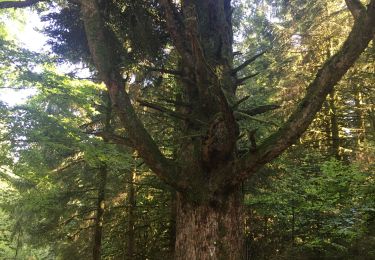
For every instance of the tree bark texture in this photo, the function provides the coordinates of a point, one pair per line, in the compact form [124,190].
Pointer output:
[208,231]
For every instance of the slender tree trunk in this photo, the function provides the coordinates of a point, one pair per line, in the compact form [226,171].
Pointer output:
[334,127]
[172,227]
[130,238]
[18,245]
[206,231]
[98,231]
[335,137]
[360,122]
[293,223]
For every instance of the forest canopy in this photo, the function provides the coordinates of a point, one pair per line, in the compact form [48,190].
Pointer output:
[214,129]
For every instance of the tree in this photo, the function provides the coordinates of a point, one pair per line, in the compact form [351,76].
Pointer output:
[65,173]
[207,170]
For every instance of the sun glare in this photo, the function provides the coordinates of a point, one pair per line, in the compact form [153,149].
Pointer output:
[28,36]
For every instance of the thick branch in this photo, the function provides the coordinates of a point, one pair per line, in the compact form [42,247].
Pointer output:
[247,62]
[162,109]
[19,4]
[331,72]
[104,50]
[355,7]
[168,111]
[175,27]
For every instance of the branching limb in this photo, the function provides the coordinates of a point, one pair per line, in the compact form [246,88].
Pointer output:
[19,4]
[162,109]
[242,80]
[168,111]
[235,105]
[247,62]
[331,72]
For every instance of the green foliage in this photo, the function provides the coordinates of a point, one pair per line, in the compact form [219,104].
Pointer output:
[309,212]
[138,25]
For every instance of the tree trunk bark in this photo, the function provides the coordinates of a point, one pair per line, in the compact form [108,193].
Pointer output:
[207,231]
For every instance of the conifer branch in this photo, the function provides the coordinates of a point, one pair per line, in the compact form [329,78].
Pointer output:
[162,109]
[242,80]
[235,105]
[168,111]
[327,77]
[247,62]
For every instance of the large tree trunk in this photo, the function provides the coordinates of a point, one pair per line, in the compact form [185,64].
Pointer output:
[209,231]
